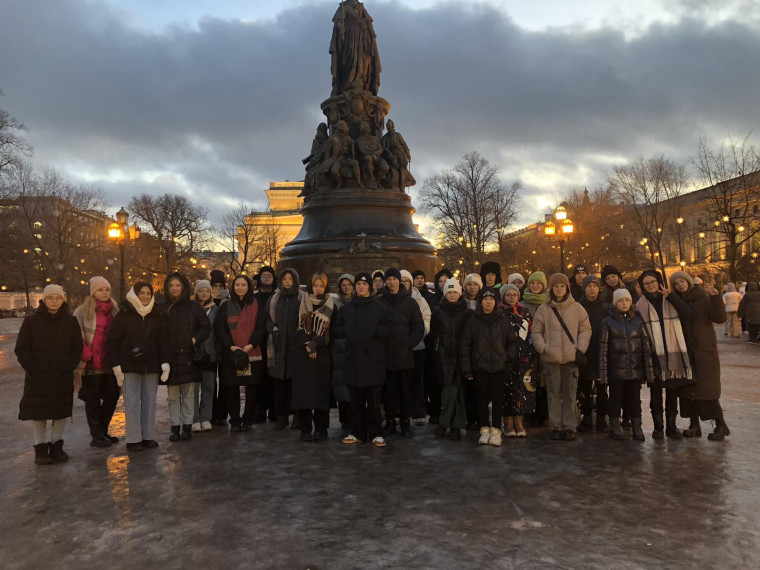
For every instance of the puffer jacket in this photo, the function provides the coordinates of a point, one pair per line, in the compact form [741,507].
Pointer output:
[597,311]
[625,351]
[130,331]
[489,343]
[426,315]
[408,329]
[550,340]
[447,327]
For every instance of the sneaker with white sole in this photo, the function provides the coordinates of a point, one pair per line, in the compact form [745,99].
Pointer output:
[420,421]
[485,435]
[378,441]
[206,426]
[349,439]
[196,427]
[510,433]
[495,438]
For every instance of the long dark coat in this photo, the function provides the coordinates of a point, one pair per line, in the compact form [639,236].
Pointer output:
[129,330]
[597,311]
[698,331]
[408,329]
[312,378]
[227,373]
[447,327]
[283,332]
[365,323]
[48,348]
[184,321]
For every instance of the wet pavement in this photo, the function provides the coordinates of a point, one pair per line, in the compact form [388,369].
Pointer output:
[266,500]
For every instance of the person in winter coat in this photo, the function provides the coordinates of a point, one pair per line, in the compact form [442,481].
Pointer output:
[378,280]
[471,288]
[576,281]
[365,323]
[672,364]
[440,280]
[311,361]
[239,329]
[220,294]
[49,347]
[490,273]
[432,382]
[205,390]
[99,390]
[588,374]
[137,353]
[519,398]
[265,409]
[418,374]
[340,392]
[447,326]
[420,283]
[701,400]
[731,299]
[408,331]
[625,362]
[749,312]
[558,352]
[535,295]
[187,326]
[613,280]
[518,281]
[282,326]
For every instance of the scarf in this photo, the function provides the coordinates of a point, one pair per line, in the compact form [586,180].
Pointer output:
[534,298]
[315,322]
[141,309]
[242,321]
[670,347]
[103,321]
[521,322]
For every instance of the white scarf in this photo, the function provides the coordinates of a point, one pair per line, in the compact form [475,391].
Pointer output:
[135,301]
[674,364]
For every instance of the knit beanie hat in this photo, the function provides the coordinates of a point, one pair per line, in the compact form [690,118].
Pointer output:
[514,276]
[406,275]
[579,267]
[345,276]
[52,290]
[217,276]
[589,279]
[364,277]
[621,293]
[378,273]
[538,276]
[96,282]
[682,275]
[474,277]
[452,285]
[489,292]
[202,283]
[608,270]
[417,273]
[507,287]
[392,272]
[265,269]
[558,278]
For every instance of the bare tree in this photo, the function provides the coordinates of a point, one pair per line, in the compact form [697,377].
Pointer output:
[650,189]
[249,237]
[471,207]
[731,177]
[13,147]
[177,230]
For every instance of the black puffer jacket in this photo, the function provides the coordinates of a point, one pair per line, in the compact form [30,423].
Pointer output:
[408,329]
[597,311]
[48,348]
[447,325]
[489,343]
[185,320]
[625,351]
[130,331]
[364,323]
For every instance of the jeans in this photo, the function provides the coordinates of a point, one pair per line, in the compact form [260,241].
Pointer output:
[180,399]
[204,397]
[561,390]
[140,406]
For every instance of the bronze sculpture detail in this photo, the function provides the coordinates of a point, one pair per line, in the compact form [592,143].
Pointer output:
[355,60]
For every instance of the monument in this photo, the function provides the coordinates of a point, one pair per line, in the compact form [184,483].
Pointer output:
[357,215]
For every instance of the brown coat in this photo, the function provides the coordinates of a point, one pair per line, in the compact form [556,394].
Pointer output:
[702,344]
[550,341]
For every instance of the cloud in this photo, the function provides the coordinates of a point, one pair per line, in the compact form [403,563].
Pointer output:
[220,109]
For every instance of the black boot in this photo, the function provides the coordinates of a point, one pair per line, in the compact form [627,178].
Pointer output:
[282,422]
[694,429]
[187,431]
[658,432]
[390,426]
[174,435]
[638,433]
[615,431]
[56,451]
[671,429]
[721,430]
[601,424]
[42,454]
[587,423]
[406,427]
[99,439]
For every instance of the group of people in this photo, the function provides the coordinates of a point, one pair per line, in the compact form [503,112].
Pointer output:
[385,349]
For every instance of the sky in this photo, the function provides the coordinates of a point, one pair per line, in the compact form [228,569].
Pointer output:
[215,99]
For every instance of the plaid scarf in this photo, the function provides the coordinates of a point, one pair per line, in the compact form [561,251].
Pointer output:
[316,322]
[675,363]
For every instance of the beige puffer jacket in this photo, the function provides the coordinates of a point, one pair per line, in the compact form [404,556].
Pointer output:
[550,341]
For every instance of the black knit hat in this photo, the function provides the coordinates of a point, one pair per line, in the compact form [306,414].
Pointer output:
[579,267]
[393,272]
[608,270]
[364,277]
[649,273]
[489,292]
[379,273]
[589,279]
[417,273]
[265,269]
[217,276]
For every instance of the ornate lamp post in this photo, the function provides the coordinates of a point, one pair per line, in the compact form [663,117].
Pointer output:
[562,229]
[118,231]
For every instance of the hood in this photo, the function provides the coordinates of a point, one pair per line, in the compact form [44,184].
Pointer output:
[438,275]
[752,286]
[296,281]
[184,295]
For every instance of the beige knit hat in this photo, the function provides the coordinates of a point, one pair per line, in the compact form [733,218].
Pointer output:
[52,290]
[473,277]
[96,282]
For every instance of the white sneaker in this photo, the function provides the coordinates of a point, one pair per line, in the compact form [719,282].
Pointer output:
[349,439]
[206,426]
[510,433]
[485,435]
[196,427]
[495,438]
[379,441]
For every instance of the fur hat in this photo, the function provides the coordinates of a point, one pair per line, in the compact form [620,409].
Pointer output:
[682,275]
[265,269]
[514,276]
[202,283]
[473,277]
[621,293]
[52,289]
[452,285]
[392,272]
[490,267]
[96,282]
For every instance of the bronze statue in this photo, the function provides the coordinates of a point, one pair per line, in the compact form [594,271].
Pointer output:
[316,156]
[397,154]
[340,157]
[374,167]
[355,60]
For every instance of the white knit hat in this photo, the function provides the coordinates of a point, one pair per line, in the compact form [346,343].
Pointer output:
[514,276]
[202,284]
[96,282]
[621,293]
[452,285]
[406,275]
[474,277]
[52,290]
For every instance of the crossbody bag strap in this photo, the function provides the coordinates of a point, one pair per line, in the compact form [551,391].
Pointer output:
[564,326]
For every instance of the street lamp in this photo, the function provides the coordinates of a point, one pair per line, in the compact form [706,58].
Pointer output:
[562,229]
[118,231]
[679,224]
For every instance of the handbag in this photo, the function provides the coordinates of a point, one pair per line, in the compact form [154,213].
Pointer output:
[580,358]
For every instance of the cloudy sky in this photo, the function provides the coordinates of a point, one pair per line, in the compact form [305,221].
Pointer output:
[215,98]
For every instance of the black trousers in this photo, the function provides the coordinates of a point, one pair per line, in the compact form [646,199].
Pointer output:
[282,392]
[364,417]
[655,400]
[100,394]
[489,388]
[586,377]
[472,403]
[626,396]
[319,418]
[432,388]
[398,397]
[418,384]
[233,405]
[754,332]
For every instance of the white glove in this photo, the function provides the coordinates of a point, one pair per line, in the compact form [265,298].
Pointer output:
[165,374]
[119,375]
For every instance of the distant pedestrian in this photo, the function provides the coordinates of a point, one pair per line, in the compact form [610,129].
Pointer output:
[731,299]
[49,348]
[749,311]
